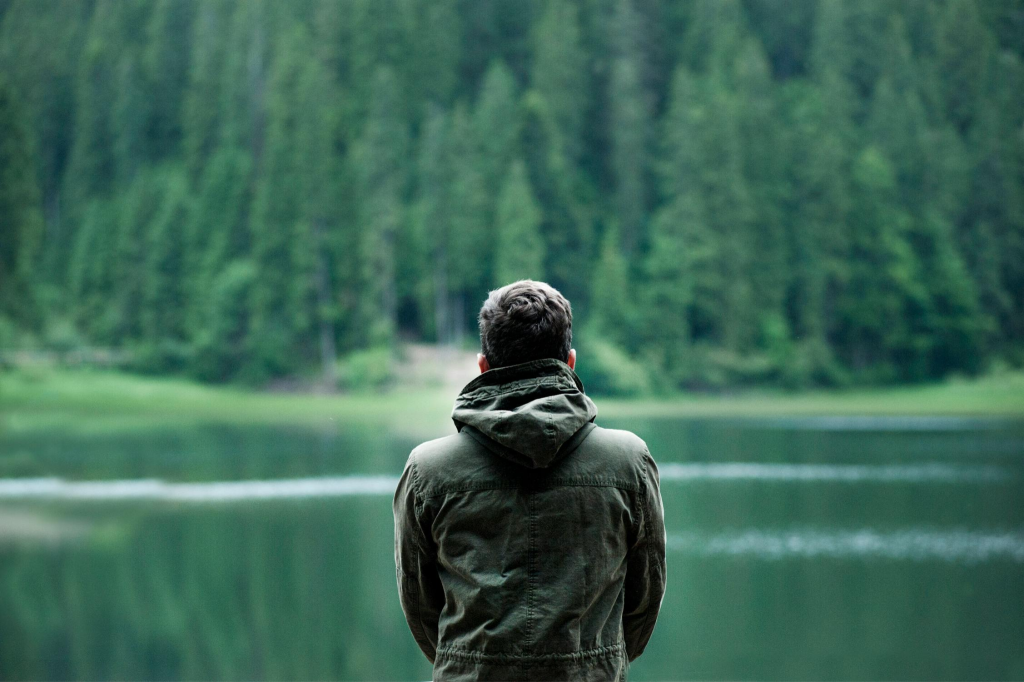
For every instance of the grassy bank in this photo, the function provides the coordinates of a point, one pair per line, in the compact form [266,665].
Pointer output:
[44,398]
[102,400]
[1000,395]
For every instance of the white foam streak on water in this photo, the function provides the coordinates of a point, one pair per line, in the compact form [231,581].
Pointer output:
[216,491]
[343,486]
[881,423]
[916,544]
[848,473]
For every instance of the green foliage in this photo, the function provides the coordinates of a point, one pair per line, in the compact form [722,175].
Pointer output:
[815,192]
[963,52]
[607,369]
[21,222]
[560,75]
[369,369]
[164,293]
[379,162]
[216,230]
[519,251]
[496,127]
[222,351]
[630,146]
[610,312]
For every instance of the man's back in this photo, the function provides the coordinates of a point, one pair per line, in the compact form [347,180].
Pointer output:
[531,544]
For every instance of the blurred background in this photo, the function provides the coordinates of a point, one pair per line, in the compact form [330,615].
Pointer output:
[243,245]
[732,192]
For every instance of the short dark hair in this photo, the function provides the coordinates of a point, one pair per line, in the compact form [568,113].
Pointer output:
[524,321]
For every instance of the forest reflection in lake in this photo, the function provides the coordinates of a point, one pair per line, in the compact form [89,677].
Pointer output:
[799,549]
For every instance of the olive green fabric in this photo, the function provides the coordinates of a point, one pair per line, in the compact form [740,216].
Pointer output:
[531,544]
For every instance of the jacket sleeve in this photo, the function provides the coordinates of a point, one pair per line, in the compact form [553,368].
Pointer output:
[645,565]
[419,587]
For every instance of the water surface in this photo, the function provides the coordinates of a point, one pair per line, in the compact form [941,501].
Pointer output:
[810,548]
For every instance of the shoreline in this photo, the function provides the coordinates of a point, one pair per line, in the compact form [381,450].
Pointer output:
[101,399]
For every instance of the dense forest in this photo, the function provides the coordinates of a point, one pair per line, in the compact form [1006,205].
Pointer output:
[810,192]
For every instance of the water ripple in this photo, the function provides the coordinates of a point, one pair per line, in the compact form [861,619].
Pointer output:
[915,544]
[215,491]
[928,472]
[344,486]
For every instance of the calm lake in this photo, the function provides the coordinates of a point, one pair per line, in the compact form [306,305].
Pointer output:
[804,548]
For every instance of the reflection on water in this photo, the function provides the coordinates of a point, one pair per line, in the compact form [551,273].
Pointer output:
[215,491]
[342,486]
[879,423]
[916,544]
[799,549]
[853,473]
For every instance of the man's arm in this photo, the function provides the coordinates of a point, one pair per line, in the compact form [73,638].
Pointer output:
[645,567]
[419,587]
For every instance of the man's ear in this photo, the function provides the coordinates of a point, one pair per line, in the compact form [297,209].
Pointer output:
[571,360]
[481,360]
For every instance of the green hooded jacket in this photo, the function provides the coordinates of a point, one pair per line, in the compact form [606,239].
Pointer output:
[531,544]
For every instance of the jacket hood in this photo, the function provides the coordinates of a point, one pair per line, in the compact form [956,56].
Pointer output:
[530,410]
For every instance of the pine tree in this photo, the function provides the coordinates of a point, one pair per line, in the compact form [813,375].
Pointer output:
[897,121]
[833,59]
[560,75]
[682,292]
[379,162]
[630,124]
[964,52]
[762,148]
[630,107]
[519,250]
[823,133]
[131,109]
[714,36]
[883,298]
[704,165]
[91,163]
[315,243]
[434,215]
[93,274]
[166,63]
[849,49]
[217,230]
[496,126]
[244,80]
[470,227]
[610,308]
[40,49]
[438,39]
[221,349]
[21,225]
[954,330]
[784,31]
[379,36]
[136,211]
[163,298]
[200,104]
[561,193]
[276,205]
[993,210]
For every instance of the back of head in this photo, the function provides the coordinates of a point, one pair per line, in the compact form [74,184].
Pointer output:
[525,321]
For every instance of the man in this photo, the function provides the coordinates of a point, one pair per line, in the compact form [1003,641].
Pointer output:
[531,544]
